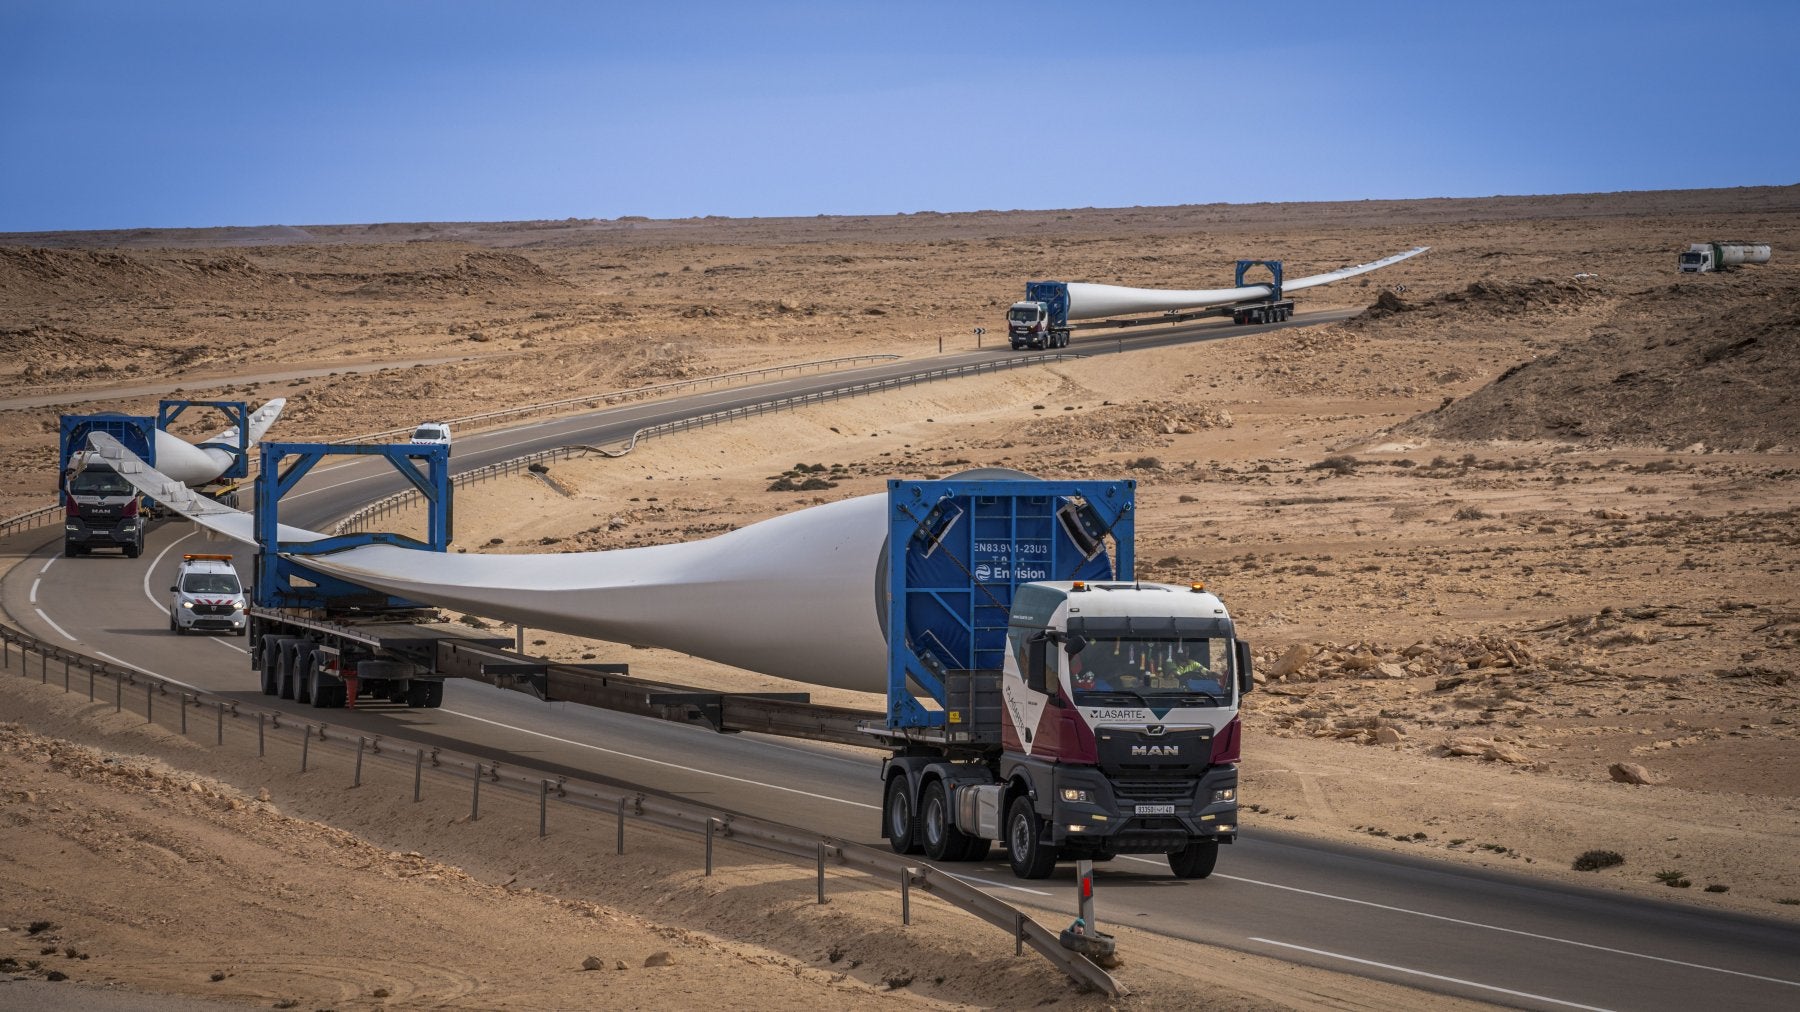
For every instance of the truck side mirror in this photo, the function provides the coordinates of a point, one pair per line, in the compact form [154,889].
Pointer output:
[1245,667]
[1037,663]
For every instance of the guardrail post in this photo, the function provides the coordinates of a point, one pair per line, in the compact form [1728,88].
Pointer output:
[119,692]
[220,738]
[90,668]
[709,843]
[360,742]
[821,874]
[260,717]
[622,801]
[475,796]
[184,699]
[65,672]
[1084,886]
[149,701]
[44,665]
[1019,933]
[418,774]
[906,875]
[305,744]
[543,808]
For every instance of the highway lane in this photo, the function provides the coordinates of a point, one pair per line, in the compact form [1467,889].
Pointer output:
[1476,934]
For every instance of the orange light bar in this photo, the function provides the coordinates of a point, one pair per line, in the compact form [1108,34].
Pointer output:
[209,558]
[1078,585]
[1198,586]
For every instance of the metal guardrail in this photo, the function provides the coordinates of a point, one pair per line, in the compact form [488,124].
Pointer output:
[407,497]
[317,738]
[42,516]
[634,393]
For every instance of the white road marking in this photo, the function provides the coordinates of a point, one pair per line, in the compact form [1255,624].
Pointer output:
[997,885]
[659,762]
[34,587]
[147,671]
[53,625]
[47,565]
[1493,927]
[1433,976]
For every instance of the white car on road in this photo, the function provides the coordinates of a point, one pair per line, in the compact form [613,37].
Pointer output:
[207,596]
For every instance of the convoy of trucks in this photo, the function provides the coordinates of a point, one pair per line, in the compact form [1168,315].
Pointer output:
[1037,695]
[1707,257]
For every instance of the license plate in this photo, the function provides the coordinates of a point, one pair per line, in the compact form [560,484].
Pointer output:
[1155,810]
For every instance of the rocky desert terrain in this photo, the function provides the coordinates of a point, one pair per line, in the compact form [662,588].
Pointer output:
[1517,542]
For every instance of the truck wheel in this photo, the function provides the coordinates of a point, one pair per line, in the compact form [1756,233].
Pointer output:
[943,842]
[317,692]
[902,821]
[1030,856]
[70,550]
[1195,860]
[284,668]
[298,663]
[271,666]
[434,694]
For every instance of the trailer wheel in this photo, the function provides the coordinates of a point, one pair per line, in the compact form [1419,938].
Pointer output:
[1196,860]
[1030,856]
[421,694]
[286,678]
[298,669]
[902,821]
[271,665]
[943,842]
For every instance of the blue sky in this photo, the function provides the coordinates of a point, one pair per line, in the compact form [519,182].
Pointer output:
[239,112]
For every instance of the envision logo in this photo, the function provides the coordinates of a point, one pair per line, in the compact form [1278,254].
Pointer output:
[1156,750]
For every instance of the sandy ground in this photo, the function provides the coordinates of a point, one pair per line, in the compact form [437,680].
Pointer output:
[1531,516]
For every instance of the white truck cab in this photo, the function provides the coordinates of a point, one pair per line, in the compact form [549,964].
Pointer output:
[207,596]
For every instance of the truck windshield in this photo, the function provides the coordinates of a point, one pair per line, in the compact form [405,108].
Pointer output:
[210,583]
[1023,314]
[1111,671]
[91,482]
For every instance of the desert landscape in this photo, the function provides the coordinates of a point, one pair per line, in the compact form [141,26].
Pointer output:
[1516,543]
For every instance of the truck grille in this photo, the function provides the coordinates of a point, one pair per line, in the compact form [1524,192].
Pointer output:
[1153,788]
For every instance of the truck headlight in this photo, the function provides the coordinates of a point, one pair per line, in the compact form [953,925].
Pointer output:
[1075,794]
[1228,794]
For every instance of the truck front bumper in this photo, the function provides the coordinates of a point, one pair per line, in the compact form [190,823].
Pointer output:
[103,533]
[1090,813]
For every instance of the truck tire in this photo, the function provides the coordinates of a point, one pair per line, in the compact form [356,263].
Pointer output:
[303,663]
[943,842]
[285,675]
[325,691]
[70,550]
[902,819]
[1195,860]
[1030,856]
[271,665]
[133,551]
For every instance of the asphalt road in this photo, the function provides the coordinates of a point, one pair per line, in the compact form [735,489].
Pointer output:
[1450,930]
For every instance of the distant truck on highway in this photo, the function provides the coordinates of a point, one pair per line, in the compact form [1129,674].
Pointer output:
[1042,319]
[101,508]
[1051,310]
[1707,257]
